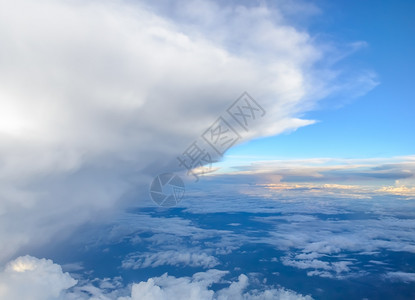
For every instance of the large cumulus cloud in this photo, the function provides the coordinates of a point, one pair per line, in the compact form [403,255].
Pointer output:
[98,97]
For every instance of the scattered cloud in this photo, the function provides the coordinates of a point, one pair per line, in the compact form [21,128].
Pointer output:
[401,276]
[320,268]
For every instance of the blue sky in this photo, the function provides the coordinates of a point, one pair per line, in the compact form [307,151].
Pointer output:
[380,123]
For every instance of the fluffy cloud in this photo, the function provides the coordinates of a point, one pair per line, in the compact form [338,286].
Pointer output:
[168,287]
[325,231]
[30,278]
[40,279]
[196,288]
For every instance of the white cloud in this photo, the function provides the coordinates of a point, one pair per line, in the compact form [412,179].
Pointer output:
[172,258]
[321,268]
[400,276]
[98,97]
[307,264]
[40,279]
[169,287]
[30,278]
[237,290]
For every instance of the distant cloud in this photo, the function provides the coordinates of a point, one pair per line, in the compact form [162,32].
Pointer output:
[401,276]
[348,177]
[172,258]
[399,190]
[321,268]
[322,234]
[308,242]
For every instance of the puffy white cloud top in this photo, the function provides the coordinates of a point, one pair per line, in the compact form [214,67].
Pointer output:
[30,278]
[39,279]
[195,288]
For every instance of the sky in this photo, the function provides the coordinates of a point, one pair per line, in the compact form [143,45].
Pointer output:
[316,194]
[377,124]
